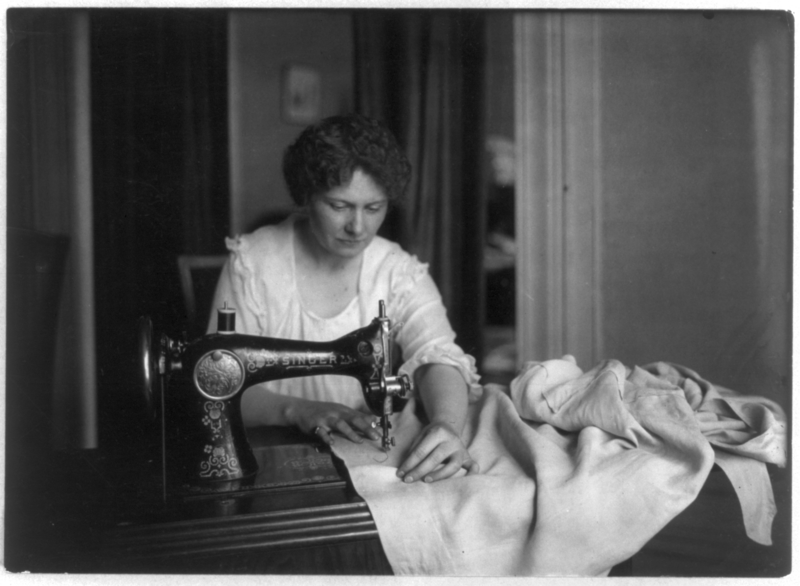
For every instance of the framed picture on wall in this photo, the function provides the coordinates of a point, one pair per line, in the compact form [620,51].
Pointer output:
[301,100]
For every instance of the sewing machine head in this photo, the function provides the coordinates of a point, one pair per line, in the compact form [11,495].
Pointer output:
[197,387]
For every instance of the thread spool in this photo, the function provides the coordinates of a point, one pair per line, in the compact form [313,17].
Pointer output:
[226,319]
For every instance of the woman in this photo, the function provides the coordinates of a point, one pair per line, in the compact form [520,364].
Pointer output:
[321,273]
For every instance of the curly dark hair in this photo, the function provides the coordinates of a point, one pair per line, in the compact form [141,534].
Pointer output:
[326,154]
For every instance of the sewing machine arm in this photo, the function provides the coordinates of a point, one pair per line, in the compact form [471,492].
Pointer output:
[199,384]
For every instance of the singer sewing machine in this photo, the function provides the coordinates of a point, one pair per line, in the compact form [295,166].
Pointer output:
[196,388]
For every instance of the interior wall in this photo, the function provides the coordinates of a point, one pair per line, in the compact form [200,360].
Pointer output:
[696,191]
[654,191]
[261,42]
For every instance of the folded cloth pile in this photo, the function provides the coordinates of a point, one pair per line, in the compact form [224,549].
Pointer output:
[747,432]
[578,470]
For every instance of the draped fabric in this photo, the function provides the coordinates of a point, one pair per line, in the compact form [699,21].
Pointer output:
[159,104]
[421,72]
[578,471]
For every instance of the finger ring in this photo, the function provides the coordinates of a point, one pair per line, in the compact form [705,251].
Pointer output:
[374,424]
[316,430]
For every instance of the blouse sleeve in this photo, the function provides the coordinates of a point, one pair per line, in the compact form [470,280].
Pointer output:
[425,335]
[234,287]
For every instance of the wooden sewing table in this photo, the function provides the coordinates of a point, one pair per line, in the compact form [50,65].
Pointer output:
[299,516]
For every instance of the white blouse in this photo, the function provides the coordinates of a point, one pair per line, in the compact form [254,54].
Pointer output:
[259,281]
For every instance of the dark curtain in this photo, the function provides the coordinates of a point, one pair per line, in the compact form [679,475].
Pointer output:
[160,160]
[422,73]
[38,111]
[48,187]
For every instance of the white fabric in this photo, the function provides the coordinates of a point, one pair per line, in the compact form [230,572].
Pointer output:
[750,480]
[547,501]
[579,471]
[747,432]
[259,282]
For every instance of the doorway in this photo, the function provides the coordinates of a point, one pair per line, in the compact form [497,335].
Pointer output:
[499,360]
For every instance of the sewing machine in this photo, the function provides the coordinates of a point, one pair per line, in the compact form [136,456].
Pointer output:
[196,388]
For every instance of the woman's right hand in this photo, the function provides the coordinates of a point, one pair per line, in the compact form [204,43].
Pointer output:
[324,419]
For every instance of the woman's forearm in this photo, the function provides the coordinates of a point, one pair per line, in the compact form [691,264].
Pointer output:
[325,419]
[439,451]
[444,394]
[263,407]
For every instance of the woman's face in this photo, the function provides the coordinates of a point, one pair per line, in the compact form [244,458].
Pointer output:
[345,219]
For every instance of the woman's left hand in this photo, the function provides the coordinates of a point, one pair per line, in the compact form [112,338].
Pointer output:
[437,453]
